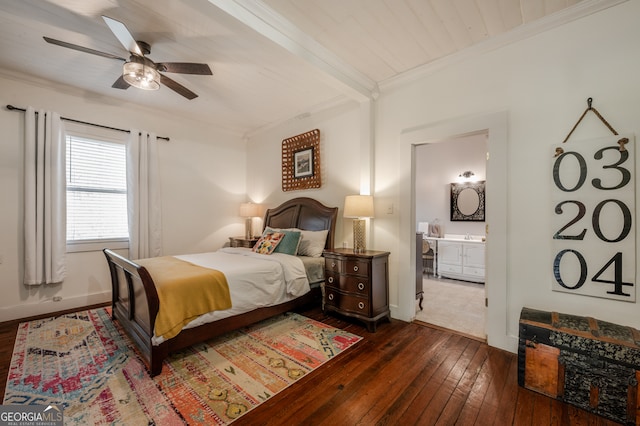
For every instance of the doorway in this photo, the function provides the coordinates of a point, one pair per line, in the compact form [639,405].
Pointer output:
[451,299]
[496,125]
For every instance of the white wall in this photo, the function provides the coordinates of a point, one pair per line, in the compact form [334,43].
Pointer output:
[437,166]
[542,83]
[340,156]
[203,181]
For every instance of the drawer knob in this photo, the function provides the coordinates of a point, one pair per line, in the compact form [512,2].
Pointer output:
[330,296]
[355,268]
[330,280]
[360,305]
[360,286]
[333,264]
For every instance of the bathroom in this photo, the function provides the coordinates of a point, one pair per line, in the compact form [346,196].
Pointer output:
[450,199]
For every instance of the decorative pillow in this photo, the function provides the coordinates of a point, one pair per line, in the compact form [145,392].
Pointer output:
[268,243]
[312,243]
[289,244]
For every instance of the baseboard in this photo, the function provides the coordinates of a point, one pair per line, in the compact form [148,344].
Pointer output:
[29,310]
[396,313]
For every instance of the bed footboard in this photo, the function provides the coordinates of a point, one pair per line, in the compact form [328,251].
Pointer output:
[135,305]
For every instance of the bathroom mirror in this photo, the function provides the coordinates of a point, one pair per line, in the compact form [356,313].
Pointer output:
[467,201]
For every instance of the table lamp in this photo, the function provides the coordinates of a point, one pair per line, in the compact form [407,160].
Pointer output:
[249,211]
[358,207]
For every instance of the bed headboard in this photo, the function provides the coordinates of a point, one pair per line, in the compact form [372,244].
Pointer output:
[304,213]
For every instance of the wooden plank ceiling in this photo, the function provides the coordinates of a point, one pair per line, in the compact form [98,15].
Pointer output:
[272,59]
[384,38]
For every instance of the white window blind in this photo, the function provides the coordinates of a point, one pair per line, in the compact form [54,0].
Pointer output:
[96,190]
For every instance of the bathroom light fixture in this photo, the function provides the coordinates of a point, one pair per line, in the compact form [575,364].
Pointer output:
[467,175]
[358,207]
[141,75]
[249,211]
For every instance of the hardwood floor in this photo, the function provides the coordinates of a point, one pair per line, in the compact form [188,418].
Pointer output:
[402,374]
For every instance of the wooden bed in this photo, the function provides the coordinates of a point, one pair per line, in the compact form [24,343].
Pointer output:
[135,300]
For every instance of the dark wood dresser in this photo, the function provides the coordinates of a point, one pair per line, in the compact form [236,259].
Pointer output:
[357,284]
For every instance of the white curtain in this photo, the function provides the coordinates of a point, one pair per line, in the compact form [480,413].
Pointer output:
[45,216]
[143,196]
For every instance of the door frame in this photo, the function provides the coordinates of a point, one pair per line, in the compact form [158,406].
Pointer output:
[495,124]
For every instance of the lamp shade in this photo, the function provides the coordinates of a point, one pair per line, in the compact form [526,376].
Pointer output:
[357,206]
[250,210]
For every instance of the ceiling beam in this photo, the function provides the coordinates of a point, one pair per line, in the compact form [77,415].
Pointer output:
[263,19]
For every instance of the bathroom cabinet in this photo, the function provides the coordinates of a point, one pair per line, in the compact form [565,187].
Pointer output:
[462,260]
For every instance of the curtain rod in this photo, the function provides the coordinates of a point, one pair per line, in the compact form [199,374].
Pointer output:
[12,108]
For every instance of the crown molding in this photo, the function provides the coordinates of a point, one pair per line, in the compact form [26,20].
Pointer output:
[66,89]
[580,10]
[330,105]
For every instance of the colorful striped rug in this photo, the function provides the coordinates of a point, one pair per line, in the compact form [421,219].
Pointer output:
[84,362]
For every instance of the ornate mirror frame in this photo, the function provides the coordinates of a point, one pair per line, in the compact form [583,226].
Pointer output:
[461,210]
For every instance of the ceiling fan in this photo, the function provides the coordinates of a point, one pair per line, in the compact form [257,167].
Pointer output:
[140,71]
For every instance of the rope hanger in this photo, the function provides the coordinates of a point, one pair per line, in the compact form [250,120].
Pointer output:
[621,141]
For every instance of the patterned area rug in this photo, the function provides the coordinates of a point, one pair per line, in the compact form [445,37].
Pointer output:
[84,362]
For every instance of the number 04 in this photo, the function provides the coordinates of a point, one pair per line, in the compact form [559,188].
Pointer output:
[616,261]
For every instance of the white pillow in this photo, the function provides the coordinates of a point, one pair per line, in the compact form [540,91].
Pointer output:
[312,243]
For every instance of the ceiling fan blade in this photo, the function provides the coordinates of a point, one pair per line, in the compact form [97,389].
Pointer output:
[82,49]
[177,87]
[184,68]
[120,84]
[123,35]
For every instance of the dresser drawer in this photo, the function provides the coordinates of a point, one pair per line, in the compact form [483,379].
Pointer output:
[347,302]
[347,266]
[348,283]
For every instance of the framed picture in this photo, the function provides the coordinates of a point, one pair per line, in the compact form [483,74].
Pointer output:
[303,163]
[301,167]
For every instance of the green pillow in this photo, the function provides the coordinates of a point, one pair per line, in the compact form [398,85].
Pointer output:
[290,242]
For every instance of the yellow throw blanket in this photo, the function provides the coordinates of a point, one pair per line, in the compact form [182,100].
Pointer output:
[186,291]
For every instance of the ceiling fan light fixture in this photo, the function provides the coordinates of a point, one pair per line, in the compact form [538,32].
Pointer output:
[140,75]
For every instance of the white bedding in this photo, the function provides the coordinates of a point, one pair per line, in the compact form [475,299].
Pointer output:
[255,280]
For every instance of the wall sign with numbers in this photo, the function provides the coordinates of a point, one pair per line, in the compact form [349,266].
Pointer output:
[593,218]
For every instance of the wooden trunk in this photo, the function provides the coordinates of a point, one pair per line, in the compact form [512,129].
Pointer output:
[592,364]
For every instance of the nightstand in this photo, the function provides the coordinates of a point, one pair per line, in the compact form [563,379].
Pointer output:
[243,241]
[357,284]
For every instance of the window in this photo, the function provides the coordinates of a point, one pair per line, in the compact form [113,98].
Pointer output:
[96,191]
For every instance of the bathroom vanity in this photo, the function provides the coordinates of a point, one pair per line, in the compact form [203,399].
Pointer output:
[461,257]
